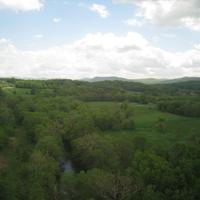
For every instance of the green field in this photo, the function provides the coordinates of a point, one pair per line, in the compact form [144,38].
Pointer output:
[178,128]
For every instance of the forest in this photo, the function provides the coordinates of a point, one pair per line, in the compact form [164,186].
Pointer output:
[109,140]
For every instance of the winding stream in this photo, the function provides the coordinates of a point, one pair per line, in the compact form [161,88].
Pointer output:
[66,163]
[67,166]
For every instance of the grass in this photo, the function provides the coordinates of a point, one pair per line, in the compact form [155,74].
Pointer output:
[16,91]
[177,128]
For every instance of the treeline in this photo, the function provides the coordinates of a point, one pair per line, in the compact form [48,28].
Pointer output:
[119,90]
[178,98]
[181,107]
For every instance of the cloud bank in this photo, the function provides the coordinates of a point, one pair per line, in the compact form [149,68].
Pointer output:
[169,13]
[129,55]
[21,5]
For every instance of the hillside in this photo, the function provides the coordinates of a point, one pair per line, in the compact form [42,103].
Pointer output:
[145,80]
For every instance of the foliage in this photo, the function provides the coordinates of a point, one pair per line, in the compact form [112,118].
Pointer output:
[120,137]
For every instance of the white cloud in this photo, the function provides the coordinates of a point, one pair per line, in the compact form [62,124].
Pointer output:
[129,55]
[57,19]
[184,13]
[134,22]
[3,41]
[100,9]
[38,36]
[197,46]
[21,5]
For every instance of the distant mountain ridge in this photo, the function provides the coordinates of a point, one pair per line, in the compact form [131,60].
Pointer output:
[145,80]
[107,78]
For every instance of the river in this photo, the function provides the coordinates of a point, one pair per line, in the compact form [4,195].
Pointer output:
[67,166]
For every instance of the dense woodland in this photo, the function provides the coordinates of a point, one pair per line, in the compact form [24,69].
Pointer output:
[110,140]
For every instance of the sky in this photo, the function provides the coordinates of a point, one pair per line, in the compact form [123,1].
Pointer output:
[76,39]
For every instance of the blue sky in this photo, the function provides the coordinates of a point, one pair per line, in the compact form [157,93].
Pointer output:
[40,29]
[76,21]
